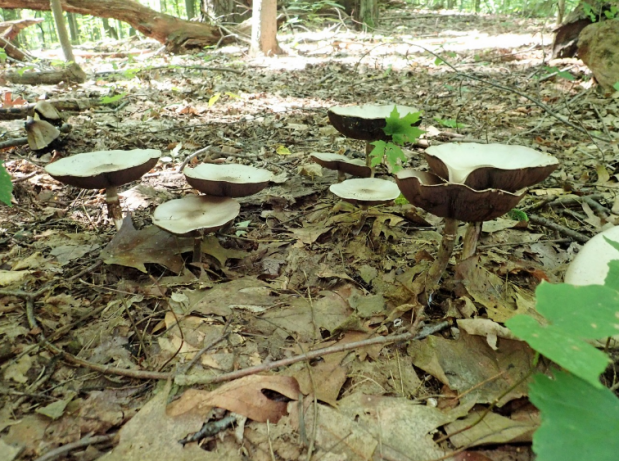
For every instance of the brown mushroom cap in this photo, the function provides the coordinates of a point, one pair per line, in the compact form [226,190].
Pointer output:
[496,166]
[47,111]
[366,191]
[230,180]
[355,167]
[192,213]
[364,122]
[103,169]
[454,200]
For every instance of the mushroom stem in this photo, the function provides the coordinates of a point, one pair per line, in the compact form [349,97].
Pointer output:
[114,206]
[341,176]
[470,240]
[369,148]
[443,257]
[197,255]
[362,221]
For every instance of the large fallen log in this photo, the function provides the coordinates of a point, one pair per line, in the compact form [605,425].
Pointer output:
[8,33]
[176,34]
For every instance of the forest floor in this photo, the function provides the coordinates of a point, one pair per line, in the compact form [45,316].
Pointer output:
[93,323]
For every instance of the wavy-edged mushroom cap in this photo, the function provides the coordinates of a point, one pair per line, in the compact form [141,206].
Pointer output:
[355,167]
[365,122]
[40,133]
[47,111]
[192,213]
[103,169]
[366,191]
[454,200]
[230,180]
[496,166]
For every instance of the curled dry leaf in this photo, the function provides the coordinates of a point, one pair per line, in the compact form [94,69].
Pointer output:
[243,396]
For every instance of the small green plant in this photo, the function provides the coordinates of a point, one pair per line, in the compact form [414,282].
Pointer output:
[612,13]
[6,186]
[561,74]
[112,99]
[3,55]
[579,416]
[402,131]
[518,215]
[450,123]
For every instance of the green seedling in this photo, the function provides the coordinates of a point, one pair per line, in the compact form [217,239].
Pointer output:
[6,186]
[112,99]
[3,55]
[450,123]
[518,215]
[562,74]
[402,131]
[242,228]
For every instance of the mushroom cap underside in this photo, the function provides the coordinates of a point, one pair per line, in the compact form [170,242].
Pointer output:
[355,167]
[365,122]
[229,180]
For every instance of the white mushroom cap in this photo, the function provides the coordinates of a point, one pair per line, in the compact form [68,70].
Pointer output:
[482,166]
[356,167]
[590,266]
[366,191]
[191,213]
[102,169]
[372,111]
[230,180]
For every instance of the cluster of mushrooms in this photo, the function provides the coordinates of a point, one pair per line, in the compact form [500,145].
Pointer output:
[190,215]
[467,182]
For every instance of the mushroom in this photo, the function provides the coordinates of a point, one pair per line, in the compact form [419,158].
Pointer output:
[196,215]
[342,164]
[230,180]
[365,192]
[591,264]
[365,122]
[41,133]
[46,111]
[471,183]
[105,170]
[488,166]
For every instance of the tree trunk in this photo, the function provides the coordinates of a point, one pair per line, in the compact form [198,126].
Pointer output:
[61,30]
[190,8]
[264,28]
[178,35]
[74,29]
[225,11]
[109,30]
[365,13]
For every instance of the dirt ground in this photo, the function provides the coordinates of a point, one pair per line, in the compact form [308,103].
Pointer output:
[99,328]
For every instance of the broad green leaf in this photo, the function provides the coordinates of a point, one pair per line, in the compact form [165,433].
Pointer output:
[6,186]
[617,86]
[579,422]
[580,311]
[283,150]
[611,281]
[392,155]
[111,99]
[232,95]
[401,129]
[376,155]
[573,354]
[519,215]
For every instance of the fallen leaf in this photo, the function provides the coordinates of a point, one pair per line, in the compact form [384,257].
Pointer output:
[211,246]
[493,429]
[486,328]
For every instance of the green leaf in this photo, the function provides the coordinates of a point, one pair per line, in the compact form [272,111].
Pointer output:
[400,128]
[392,155]
[586,312]
[519,215]
[214,99]
[579,422]
[376,155]
[573,354]
[617,86]
[112,99]
[450,123]
[6,186]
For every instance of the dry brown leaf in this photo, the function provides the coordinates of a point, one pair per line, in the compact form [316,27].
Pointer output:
[243,396]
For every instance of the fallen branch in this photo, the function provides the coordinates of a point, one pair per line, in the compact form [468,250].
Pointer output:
[577,236]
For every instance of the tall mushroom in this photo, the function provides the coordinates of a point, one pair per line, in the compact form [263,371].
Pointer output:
[365,122]
[196,215]
[471,183]
[105,170]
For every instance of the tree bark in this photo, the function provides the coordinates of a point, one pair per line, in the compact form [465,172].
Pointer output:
[264,28]
[178,35]
[366,13]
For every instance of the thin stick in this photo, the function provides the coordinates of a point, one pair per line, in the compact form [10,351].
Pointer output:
[581,238]
[86,441]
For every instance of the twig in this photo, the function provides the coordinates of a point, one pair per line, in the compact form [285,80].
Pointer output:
[191,156]
[23,178]
[425,332]
[208,347]
[577,236]
[86,441]
[541,105]
[13,142]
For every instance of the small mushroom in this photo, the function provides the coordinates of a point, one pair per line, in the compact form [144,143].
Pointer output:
[364,122]
[41,134]
[342,164]
[105,170]
[230,180]
[196,215]
[366,191]
[46,111]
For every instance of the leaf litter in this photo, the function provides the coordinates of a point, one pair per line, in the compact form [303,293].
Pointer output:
[295,277]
